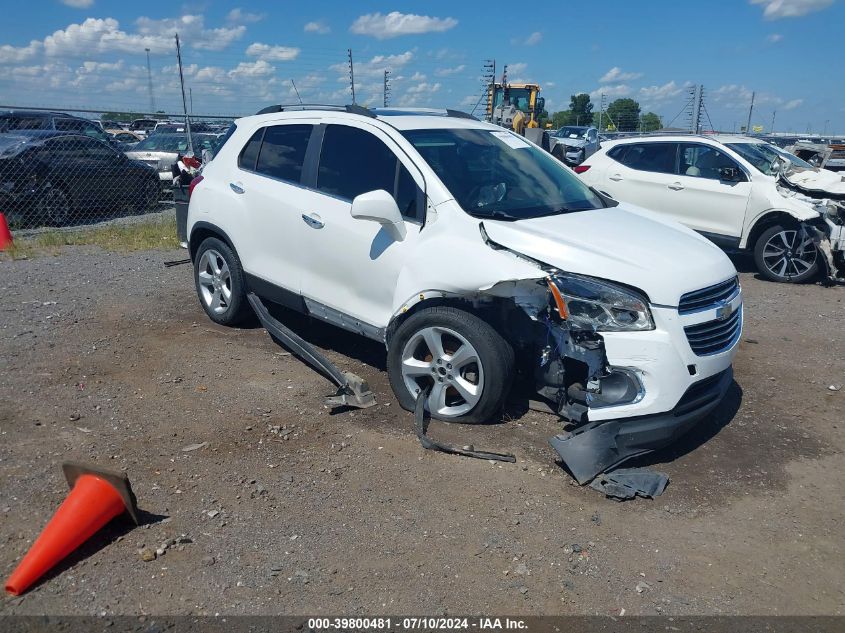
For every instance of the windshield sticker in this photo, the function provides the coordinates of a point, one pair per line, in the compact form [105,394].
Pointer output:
[512,140]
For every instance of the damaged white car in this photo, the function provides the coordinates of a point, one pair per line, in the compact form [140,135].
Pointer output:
[743,194]
[477,259]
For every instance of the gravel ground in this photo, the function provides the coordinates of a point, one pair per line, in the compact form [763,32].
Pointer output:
[286,508]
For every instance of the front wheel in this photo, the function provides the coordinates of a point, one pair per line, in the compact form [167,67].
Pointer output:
[468,365]
[786,255]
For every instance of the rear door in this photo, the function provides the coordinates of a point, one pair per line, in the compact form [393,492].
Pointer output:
[643,174]
[268,181]
[704,200]
[351,266]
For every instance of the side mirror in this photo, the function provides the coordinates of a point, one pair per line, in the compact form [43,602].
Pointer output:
[730,174]
[379,206]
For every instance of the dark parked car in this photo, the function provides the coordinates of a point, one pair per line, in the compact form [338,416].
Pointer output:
[53,178]
[21,120]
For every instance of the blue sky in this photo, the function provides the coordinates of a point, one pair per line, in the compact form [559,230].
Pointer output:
[240,56]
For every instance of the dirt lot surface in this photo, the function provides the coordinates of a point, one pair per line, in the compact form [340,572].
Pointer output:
[108,358]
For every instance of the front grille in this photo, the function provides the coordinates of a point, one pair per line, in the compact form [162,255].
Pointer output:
[716,336]
[707,297]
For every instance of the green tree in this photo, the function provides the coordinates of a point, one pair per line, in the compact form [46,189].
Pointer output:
[559,119]
[650,122]
[581,109]
[625,114]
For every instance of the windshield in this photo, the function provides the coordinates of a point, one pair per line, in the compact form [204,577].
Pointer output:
[765,158]
[520,98]
[571,132]
[496,174]
[175,143]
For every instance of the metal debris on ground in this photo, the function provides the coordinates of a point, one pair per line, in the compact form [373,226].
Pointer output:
[628,483]
[353,391]
[421,428]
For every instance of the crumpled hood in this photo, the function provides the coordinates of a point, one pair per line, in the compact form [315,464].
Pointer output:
[571,142]
[821,181]
[623,244]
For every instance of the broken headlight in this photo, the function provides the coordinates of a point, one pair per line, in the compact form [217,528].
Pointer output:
[595,305]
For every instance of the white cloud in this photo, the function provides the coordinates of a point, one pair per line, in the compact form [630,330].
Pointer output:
[258,68]
[96,35]
[78,4]
[517,68]
[318,27]
[424,87]
[535,38]
[774,38]
[619,90]
[777,9]
[615,74]
[791,105]
[374,66]
[395,24]
[445,72]
[661,93]
[239,16]
[272,53]
[418,76]
[14,54]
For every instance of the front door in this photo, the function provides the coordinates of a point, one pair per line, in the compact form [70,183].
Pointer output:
[352,265]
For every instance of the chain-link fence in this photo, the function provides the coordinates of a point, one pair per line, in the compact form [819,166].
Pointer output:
[58,169]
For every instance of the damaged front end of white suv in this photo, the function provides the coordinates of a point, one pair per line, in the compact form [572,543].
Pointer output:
[824,192]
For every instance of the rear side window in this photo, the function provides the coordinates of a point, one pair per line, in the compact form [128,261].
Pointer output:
[655,157]
[353,162]
[249,154]
[283,151]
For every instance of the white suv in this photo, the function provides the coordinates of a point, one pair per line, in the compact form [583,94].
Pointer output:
[740,192]
[475,257]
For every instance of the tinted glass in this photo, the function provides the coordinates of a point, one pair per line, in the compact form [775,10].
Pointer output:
[703,161]
[496,174]
[283,151]
[68,125]
[23,123]
[249,154]
[99,151]
[406,194]
[658,157]
[353,162]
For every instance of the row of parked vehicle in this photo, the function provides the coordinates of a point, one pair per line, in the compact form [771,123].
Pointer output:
[57,169]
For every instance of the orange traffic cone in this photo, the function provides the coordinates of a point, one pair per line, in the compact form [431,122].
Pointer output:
[5,234]
[96,497]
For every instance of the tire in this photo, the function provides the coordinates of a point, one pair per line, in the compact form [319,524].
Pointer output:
[557,152]
[53,206]
[218,273]
[780,257]
[474,390]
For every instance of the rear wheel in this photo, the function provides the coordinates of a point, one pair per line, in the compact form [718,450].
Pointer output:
[220,282]
[786,254]
[468,365]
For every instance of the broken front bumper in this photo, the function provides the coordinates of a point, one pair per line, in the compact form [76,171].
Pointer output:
[599,446]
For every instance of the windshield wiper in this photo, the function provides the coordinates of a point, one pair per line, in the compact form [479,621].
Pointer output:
[498,215]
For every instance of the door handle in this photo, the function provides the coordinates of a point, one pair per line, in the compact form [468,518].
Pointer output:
[236,187]
[675,186]
[615,177]
[313,221]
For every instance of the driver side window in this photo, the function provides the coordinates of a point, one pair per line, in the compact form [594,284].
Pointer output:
[353,162]
[703,161]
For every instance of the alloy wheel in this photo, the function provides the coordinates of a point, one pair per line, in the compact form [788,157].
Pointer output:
[215,281]
[789,253]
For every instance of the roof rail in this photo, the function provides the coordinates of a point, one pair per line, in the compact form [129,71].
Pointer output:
[457,114]
[293,107]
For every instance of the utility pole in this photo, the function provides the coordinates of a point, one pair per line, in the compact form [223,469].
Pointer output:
[772,127]
[351,75]
[191,99]
[190,149]
[296,91]
[386,87]
[150,83]
[750,110]
[488,78]
[696,110]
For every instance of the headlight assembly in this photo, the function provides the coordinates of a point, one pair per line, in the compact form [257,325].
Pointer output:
[594,305]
